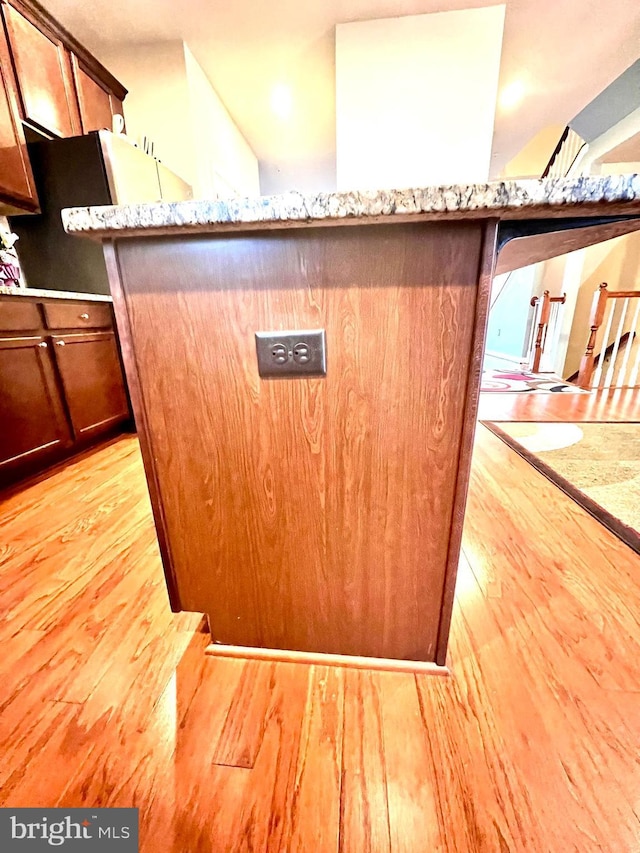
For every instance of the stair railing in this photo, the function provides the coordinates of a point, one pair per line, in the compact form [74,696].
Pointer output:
[566,154]
[619,348]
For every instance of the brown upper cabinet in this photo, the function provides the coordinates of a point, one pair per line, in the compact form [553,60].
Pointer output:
[17,188]
[50,82]
[43,70]
[97,104]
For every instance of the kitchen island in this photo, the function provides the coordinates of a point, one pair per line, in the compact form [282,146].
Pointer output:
[312,504]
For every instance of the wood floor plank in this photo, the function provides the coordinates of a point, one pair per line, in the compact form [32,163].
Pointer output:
[313,820]
[41,754]
[269,794]
[364,815]
[482,804]
[248,809]
[243,728]
[410,775]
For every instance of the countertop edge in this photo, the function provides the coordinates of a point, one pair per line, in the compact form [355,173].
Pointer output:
[508,200]
[37,293]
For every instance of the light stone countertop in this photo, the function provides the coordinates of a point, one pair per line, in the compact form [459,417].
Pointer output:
[523,199]
[53,294]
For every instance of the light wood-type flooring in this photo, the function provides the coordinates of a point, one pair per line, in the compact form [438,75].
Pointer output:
[532,744]
[617,405]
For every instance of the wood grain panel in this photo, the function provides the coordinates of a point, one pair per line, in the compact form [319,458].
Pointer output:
[142,421]
[471,401]
[310,514]
[117,107]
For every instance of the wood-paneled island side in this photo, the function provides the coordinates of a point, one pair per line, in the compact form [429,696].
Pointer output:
[314,515]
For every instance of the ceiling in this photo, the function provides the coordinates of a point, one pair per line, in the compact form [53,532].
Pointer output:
[559,53]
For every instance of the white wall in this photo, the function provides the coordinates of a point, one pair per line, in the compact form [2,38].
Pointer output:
[415,98]
[157,105]
[225,162]
[600,147]
[172,101]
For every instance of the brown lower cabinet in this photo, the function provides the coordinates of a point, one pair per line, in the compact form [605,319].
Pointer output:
[31,408]
[89,367]
[59,393]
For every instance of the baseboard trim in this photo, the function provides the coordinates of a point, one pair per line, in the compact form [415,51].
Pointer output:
[351,661]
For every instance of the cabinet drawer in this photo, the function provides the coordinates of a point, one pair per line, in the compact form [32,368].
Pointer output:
[18,316]
[77,315]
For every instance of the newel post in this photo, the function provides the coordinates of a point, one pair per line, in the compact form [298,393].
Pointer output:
[598,307]
[541,334]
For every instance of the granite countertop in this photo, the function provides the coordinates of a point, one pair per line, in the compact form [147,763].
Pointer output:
[551,197]
[53,294]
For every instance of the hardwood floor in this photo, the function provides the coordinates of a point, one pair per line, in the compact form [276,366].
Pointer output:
[108,699]
[615,405]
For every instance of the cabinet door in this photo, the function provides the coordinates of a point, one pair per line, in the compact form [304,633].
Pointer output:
[95,100]
[17,188]
[92,378]
[43,69]
[32,419]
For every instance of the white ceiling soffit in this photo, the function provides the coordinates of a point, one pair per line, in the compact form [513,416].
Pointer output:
[557,56]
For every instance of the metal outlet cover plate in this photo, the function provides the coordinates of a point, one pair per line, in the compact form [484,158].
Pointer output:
[289,354]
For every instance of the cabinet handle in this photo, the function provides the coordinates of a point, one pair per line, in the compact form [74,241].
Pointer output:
[59,343]
[84,316]
[43,344]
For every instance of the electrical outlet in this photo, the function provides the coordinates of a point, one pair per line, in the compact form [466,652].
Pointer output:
[291,353]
